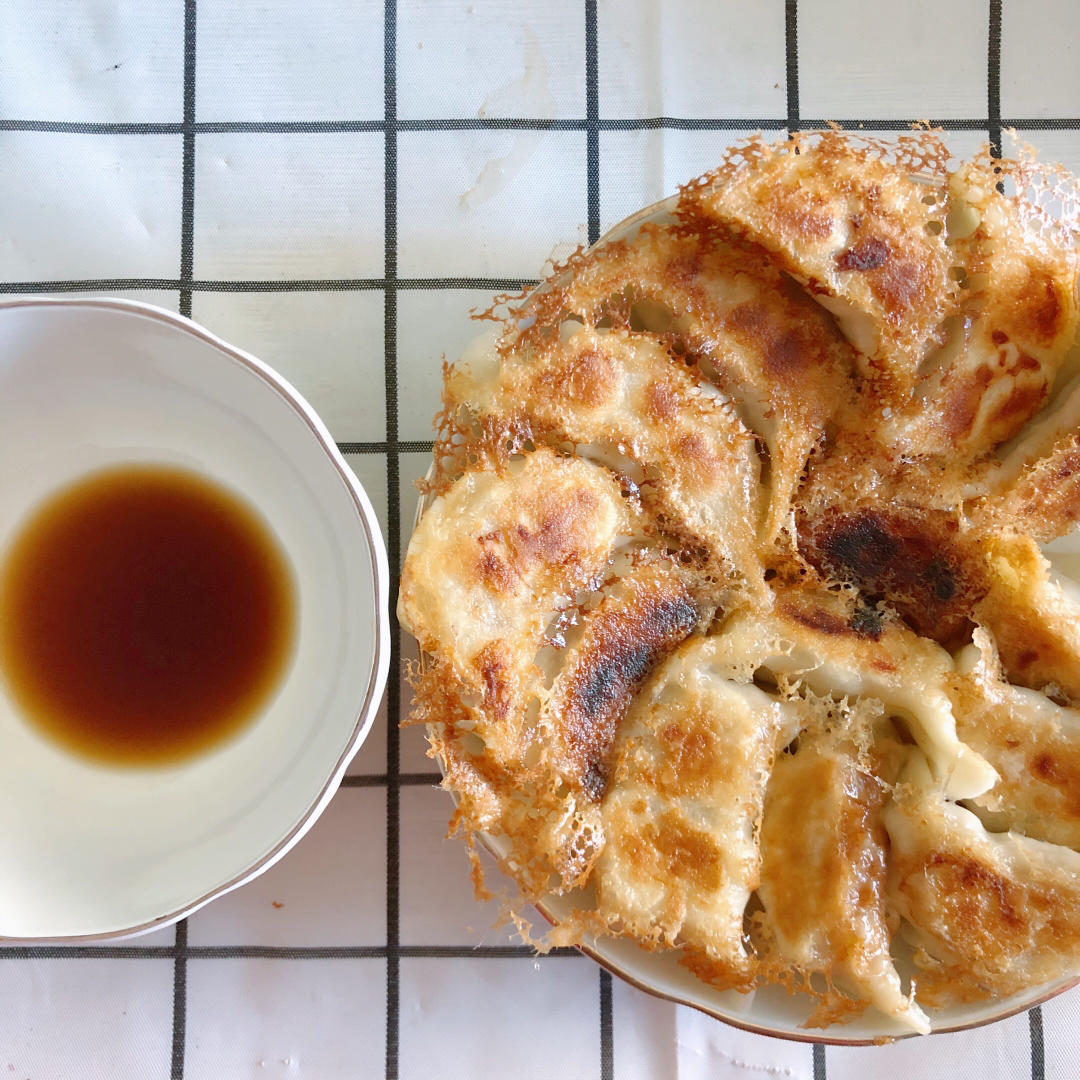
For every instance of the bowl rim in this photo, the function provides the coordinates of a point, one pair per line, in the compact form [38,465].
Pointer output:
[380,575]
[619,231]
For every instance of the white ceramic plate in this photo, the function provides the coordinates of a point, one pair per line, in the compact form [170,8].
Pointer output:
[771,1010]
[88,851]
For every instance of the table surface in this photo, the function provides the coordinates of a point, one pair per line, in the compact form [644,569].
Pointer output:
[333,185]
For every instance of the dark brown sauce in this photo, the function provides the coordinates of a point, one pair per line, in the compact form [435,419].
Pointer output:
[146,615]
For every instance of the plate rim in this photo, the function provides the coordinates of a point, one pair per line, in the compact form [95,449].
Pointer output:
[616,232]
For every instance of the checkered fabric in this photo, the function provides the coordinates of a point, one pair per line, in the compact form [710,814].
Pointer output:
[333,185]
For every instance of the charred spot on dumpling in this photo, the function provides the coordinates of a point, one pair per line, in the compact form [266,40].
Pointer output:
[493,570]
[817,619]
[594,781]
[624,638]
[914,565]
[868,622]
[788,348]
[868,254]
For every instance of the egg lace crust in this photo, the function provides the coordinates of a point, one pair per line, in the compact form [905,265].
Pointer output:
[737,630]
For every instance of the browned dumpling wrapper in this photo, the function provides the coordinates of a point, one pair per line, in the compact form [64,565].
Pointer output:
[736,630]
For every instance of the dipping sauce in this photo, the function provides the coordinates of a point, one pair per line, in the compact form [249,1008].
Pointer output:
[146,615]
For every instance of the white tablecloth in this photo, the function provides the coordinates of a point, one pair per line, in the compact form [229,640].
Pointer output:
[332,185]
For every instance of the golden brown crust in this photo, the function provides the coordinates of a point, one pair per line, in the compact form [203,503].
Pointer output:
[823,851]
[998,912]
[711,509]
[1032,743]
[680,859]
[728,316]
[849,225]
[1034,621]
[622,398]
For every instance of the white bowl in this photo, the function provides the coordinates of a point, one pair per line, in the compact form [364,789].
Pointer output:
[771,1010]
[88,851]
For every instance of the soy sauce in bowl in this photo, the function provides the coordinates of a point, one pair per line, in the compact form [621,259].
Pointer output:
[146,616]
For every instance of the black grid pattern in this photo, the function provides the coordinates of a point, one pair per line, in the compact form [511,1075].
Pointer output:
[393,546]
[587,124]
[393,779]
[187,263]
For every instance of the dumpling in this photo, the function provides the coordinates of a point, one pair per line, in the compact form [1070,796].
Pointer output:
[619,396]
[732,319]
[680,819]
[1032,743]
[835,646]
[1035,488]
[1017,320]
[854,229]
[492,560]
[637,622]
[823,862]
[1034,617]
[998,912]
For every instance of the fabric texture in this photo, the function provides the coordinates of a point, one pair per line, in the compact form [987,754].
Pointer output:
[334,185]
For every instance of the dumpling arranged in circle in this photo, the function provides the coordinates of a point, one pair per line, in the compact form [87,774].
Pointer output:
[737,630]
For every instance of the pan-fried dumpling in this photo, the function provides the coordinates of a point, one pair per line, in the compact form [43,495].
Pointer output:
[621,397]
[853,228]
[1034,617]
[833,646]
[731,561]
[493,559]
[1035,489]
[1032,743]
[996,911]
[823,863]
[735,321]
[681,816]
[639,621]
[1016,323]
